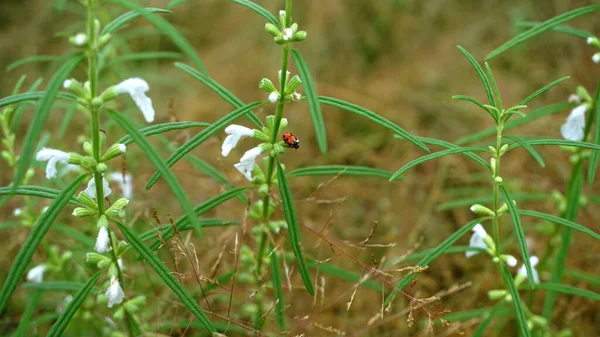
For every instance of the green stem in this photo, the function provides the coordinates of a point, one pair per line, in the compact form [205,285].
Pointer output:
[495,189]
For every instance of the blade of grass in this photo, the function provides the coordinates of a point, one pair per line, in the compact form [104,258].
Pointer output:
[481,73]
[581,276]
[166,28]
[219,90]
[167,277]
[258,9]
[541,28]
[38,232]
[435,253]
[278,289]
[476,102]
[63,320]
[293,227]
[202,136]
[32,96]
[528,148]
[122,20]
[435,155]
[329,170]
[40,116]
[363,112]
[162,128]
[313,101]
[158,163]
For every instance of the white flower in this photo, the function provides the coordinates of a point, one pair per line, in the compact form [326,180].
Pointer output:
[52,156]
[235,132]
[114,293]
[246,164]
[296,96]
[80,39]
[477,240]
[511,261]
[590,40]
[122,147]
[136,88]
[36,274]
[102,241]
[287,34]
[281,12]
[274,97]
[596,58]
[120,263]
[533,260]
[91,188]
[17,212]
[67,84]
[574,99]
[573,127]
[125,182]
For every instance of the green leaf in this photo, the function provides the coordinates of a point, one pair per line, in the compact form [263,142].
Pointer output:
[532,116]
[39,118]
[423,253]
[313,101]
[202,136]
[559,29]
[166,28]
[162,128]
[158,163]
[37,191]
[347,170]
[219,90]
[519,233]
[57,286]
[261,11]
[63,320]
[278,290]
[166,276]
[448,145]
[33,59]
[559,142]
[175,3]
[527,147]
[122,20]
[581,276]
[494,86]
[184,222]
[481,73]
[435,155]
[516,299]
[542,90]
[152,55]
[593,165]
[338,103]
[541,28]
[293,228]
[435,253]
[476,102]
[569,290]
[561,221]
[32,96]
[488,199]
[38,232]
[166,231]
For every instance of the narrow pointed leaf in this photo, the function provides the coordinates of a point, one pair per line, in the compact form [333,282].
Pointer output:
[541,28]
[40,116]
[32,96]
[435,155]
[457,203]
[559,29]
[435,253]
[162,128]
[476,102]
[494,86]
[33,59]
[166,28]
[167,277]
[278,290]
[63,320]
[363,112]
[514,123]
[202,136]
[519,233]
[122,20]
[57,286]
[29,247]
[560,221]
[559,142]
[527,147]
[219,90]
[293,227]
[423,253]
[157,162]
[516,299]
[37,191]
[333,170]
[481,73]
[258,9]
[593,165]
[581,276]
[152,55]
[543,90]
[313,101]
[569,290]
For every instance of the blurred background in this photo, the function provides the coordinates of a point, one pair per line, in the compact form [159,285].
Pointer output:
[395,57]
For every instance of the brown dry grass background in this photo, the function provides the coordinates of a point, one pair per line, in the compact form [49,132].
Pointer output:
[398,58]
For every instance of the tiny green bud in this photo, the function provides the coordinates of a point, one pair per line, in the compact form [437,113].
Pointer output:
[76,88]
[481,210]
[82,212]
[87,201]
[492,150]
[102,222]
[113,270]
[498,180]
[97,259]
[116,210]
[102,138]
[493,164]
[109,94]
[282,17]
[278,149]
[79,40]
[261,136]
[497,294]
[503,149]
[263,190]
[88,148]
[75,158]
[256,210]
[293,84]
[508,259]
[119,314]
[272,29]
[539,321]
[266,85]
[97,102]
[101,168]
[582,92]
[583,200]
[87,162]
[66,256]
[103,40]
[299,36]
[282,125]
[270,122]
[114,151]
[279,40]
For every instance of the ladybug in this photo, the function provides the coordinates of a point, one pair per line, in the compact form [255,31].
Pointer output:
[291,140]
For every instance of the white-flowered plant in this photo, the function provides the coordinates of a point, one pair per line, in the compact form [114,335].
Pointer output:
[573,128]
[103,241]
[246,164]
[235,133]
[36,274]
[91,188]
[114,294]
[478,240]
[522,272]
[137,88]
[53,157]
[125,182]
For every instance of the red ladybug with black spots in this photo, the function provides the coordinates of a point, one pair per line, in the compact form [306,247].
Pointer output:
[291,140]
